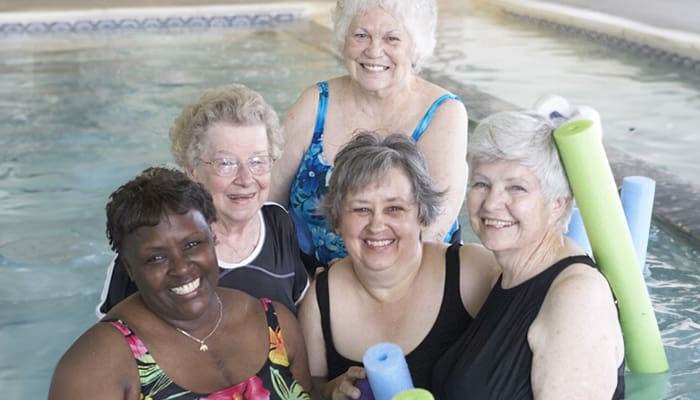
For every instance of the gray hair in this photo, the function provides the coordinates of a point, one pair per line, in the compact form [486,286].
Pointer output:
[525,138]
[419,17]
[367,158]
[235,104]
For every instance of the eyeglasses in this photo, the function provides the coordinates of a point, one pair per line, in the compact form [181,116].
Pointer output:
[226,167]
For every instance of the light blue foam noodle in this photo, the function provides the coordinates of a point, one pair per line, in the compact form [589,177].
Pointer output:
[577,232]
[387,370]
[637,196]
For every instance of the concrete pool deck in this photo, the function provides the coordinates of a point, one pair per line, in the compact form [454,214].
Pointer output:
[669,25]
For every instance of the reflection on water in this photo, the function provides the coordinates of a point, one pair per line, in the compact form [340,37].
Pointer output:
[650,108]
[83,115]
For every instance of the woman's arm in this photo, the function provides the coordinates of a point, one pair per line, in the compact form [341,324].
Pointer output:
[343,386]
[576,339]
[298,127]
[295,346]
[99,365]
[478,273]
[444,145]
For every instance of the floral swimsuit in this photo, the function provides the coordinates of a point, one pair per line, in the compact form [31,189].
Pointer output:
[316,237]
[273,381]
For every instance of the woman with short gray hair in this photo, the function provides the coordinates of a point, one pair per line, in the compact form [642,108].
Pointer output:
[228,140]
[549,328]
[393,286]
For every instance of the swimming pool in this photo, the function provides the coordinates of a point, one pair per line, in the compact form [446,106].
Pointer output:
[82,114]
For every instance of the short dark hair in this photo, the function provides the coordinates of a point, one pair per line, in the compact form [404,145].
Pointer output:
[145,199]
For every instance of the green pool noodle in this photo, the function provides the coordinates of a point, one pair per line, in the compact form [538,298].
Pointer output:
[414,394]
[590,177]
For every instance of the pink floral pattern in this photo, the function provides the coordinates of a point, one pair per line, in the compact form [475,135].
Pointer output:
[273,382]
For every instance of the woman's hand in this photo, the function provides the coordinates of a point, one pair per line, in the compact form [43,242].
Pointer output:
[343,387]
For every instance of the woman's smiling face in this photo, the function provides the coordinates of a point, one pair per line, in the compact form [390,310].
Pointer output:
[378,50]
[506,206]
[173,264]
[379,223]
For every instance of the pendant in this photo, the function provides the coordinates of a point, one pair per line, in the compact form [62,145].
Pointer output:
[203,347]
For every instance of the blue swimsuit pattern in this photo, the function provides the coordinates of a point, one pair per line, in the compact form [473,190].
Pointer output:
[315,236]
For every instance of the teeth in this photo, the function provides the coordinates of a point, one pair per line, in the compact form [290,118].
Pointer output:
[186,288]
[497,223]
[378,243]
[374,68]
[240,196]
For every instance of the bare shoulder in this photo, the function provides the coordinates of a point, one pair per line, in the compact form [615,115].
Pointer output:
[301,116]
[580,283]
[432,92]
[580,296]
[478,273]
[576,339]
[476,257]
[285,317]
[98,364]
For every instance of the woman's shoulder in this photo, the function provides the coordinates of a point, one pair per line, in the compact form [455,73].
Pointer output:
[475,253]
[271,209]
[431,91]
[478,264]
[577,276]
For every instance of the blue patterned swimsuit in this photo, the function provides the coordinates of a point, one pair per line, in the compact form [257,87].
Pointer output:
[315,236]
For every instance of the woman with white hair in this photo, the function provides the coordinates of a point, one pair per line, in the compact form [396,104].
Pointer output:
[383,44]
[227,140]
[549,328]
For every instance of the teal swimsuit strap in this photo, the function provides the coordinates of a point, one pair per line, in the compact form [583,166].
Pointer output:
[322,107]
[423,124]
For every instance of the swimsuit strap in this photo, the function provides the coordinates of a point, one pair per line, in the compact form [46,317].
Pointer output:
[322,107]
[423,124]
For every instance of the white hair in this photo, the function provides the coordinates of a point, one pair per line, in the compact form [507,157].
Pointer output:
[419,18]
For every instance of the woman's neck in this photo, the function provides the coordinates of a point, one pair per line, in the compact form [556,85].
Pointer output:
[381,100]
[525,263]
[236,241]
[391,284]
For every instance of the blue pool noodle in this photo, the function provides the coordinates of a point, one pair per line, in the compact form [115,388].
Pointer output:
[387,370]
[637,196]
[577,232]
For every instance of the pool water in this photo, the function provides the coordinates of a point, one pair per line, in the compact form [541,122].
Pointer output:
[84,114]
[650,108]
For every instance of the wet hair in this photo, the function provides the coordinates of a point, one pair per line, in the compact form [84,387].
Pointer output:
[419,18]
[527,139]
[233,104]
[144,200]
[367,158]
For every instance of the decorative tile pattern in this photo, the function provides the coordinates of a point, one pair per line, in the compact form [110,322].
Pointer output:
[253,20]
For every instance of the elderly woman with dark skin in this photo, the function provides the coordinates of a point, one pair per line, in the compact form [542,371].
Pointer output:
[383,44]
[549,329]
[180,335]
[228,140]
[393,286]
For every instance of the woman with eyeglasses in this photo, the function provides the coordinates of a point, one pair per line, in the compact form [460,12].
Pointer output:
[228,141]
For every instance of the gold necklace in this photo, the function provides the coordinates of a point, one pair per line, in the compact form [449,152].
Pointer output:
[203,347]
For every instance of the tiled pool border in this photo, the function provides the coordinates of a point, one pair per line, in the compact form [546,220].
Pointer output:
[680,48]
[153,18]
